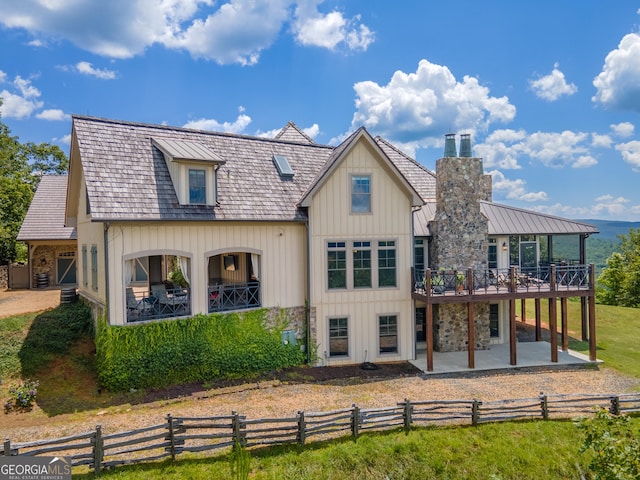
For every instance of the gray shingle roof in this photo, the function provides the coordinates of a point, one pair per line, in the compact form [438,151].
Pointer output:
[422,179]
[45,217]
[291,133]
[506,220]
[127,177]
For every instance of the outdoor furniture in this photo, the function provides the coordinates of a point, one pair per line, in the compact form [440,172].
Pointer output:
[137,308]
[170,302]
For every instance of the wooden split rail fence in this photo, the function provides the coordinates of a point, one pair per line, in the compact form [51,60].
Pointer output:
[177,435]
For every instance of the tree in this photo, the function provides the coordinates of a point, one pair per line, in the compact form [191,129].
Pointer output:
[619,282]
[21,167]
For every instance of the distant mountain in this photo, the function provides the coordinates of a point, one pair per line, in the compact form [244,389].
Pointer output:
[610,229]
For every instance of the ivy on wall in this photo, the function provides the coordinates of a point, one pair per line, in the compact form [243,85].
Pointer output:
[206,347]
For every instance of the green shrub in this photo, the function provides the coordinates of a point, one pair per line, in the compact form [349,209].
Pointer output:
[614,444]
[198,349]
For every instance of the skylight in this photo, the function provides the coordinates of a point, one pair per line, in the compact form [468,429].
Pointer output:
[282,164]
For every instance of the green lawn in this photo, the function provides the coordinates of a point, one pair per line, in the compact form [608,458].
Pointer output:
[617,334]
[517,450]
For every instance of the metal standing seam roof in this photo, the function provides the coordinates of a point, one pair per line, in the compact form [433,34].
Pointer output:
[507,220]
[45,217]
[180,150]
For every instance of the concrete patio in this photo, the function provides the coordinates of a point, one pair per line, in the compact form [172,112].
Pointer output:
[528,354]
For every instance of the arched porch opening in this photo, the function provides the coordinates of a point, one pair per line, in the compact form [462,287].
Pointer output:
[233,280]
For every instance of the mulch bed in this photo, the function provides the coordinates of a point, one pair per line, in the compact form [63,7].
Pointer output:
[343,375]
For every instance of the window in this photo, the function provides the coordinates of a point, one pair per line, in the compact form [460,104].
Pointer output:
[85,277]
[361,194]
[197,187]
[94,267]
[141,270]
[388,331]
[386,264]
[338,337]
[337,265]
[361,264]
[493,253]
[418,256]
[494,321]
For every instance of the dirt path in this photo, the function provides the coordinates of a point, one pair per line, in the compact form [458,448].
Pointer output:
[15,302]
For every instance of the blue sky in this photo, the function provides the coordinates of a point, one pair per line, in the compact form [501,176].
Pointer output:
[549,90]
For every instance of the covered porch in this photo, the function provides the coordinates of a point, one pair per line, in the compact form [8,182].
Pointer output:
[471,287]
[233,281]
[157,287]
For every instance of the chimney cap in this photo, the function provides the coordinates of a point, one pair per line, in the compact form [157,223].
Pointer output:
[450,149]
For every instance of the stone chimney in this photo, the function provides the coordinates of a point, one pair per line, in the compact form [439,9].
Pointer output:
[460,240]
[460,230]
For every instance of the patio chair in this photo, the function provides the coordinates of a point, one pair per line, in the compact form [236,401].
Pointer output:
[138,308]
[168,304]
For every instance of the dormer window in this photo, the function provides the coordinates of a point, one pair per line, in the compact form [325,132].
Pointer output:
[197,186]
[193,167]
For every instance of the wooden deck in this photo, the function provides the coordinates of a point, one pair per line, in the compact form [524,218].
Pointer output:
[550,282]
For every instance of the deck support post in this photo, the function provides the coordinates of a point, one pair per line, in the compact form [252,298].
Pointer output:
[553,320]
[538,320]
[471,341]
[523,310]
[592,314]
[512,317]
[564,324]
[584,316]
[429,319]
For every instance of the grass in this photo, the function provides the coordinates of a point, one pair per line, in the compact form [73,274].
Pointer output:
[515,450]
[617,334]
[56,348]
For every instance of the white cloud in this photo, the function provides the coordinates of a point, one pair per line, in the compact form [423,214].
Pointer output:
[617,85]
[514,189]
[505,149]
[234,31]
[603,206]
[312,131]
[86,68]
[53,115]
[237,126]
[630,152]
[600,141]
[22,101]
[552,86]
[624,129]
[330,30]
[420,107]
[584,161]
[65,140]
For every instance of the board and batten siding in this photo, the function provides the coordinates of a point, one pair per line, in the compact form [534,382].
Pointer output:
[331,220]
[282,249]
[89,234]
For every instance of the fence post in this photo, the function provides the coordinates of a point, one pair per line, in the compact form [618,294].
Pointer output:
[302,428]
[475,412]
[408,415]
[7,447]
[615,405]
[172,444]
[544,406]
[355,422]
[98,451]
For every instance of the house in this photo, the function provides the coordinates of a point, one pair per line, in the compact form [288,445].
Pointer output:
[174,222]
[52,246]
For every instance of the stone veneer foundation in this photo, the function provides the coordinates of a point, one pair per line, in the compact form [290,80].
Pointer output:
[460,234]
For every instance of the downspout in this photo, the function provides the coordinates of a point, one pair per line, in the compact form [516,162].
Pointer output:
[307,325]
[106,266]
